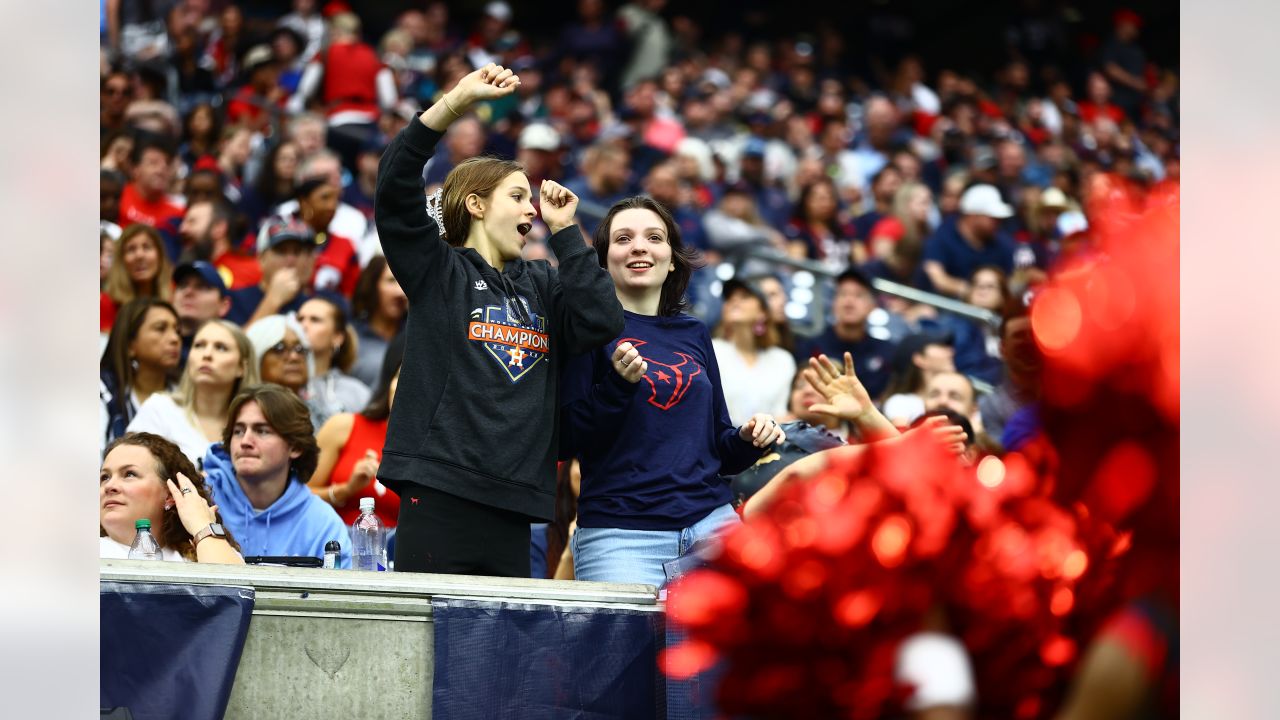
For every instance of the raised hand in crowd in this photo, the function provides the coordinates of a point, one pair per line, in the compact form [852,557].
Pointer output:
[846,397]
[628,363]
[558,205]
[490,82]
[762,430]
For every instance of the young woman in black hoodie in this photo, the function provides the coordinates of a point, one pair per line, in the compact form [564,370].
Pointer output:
[471,445]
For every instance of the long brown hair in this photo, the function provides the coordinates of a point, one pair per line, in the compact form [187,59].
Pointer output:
[115,358]
[170,461]
[288,416]
[672,301]
[478,175]
[348,352]
[119,285]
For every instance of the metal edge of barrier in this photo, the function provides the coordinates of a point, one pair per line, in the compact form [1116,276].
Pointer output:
[393,593]
[888,287]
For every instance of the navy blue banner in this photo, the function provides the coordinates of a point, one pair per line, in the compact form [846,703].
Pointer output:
[170,651]
[511,660]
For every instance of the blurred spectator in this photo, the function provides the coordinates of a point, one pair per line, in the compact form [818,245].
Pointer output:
[258,103]
[201,131]
[110,186]
[307,22]
[351,447]
[139,268]
[286,254]
[605,180]
[359,193]
[288,46]
[207,233]
[351,84]
[754,370]
[1125,64]
[227,44]
[199,295]
[259,472]
[307,131]
[649,37]
[852,305]
[917,359]
[114,96]
[884,186]
[144,476]
[274,184]
[464,139]
[873,144]
[663,184]
[538,150]
[146,199]
[336,265]
[735,224]
[220,363]
[770,200]
[379,308]
[1019,390]
[141,358]
[595,40]
[817,231]
[958,247]
[977,344]
[331,390]
[1097,103]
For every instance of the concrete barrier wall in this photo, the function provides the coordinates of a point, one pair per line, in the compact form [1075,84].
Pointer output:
[338,643]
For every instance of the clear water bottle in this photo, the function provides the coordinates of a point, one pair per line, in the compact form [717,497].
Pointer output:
[368,539]
[331,550]
[144,545]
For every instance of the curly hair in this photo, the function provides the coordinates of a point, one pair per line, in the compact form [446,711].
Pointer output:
[169,461]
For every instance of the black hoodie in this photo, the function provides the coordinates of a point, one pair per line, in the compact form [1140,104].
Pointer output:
[476,408]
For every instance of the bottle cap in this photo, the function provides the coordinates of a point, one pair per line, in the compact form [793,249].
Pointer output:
[332,546]
[366,504]
[143,523]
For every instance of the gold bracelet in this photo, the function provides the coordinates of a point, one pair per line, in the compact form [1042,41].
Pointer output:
[445,99]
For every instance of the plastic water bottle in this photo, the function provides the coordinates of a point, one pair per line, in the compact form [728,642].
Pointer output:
[144,545]
[331,550]
[368,539]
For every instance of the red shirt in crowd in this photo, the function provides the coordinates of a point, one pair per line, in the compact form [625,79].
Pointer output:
[136,209]
[238,271]
[337,266]
[1090,112]
[350,78]
[365,435]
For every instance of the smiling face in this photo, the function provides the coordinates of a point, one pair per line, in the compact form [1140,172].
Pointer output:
[214,359]
[258,452]
[506,216]
[285,363]
[129,489]
[639,257]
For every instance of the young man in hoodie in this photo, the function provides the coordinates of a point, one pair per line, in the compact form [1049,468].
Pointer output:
[471,445]
[259,475]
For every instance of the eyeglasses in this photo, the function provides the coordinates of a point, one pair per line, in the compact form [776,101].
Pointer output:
[281,348]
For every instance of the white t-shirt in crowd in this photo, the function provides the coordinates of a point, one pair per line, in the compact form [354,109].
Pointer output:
[164,417]
[764,387]
[111,550]
[903,407]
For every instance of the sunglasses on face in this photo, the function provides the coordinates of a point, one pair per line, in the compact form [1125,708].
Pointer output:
[281,348]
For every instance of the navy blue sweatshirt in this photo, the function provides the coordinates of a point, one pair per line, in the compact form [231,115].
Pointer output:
[655,454]
[476,411]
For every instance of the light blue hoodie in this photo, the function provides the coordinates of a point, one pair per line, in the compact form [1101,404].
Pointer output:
[298,524]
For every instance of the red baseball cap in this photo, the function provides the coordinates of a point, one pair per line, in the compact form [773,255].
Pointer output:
[890,227]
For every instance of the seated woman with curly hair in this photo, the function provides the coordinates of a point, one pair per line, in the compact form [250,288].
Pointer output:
[144,476]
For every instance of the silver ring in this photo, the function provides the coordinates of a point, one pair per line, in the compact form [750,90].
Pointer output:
[186,490]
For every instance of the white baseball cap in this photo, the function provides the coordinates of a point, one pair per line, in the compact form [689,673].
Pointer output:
[984,200]
[539,136]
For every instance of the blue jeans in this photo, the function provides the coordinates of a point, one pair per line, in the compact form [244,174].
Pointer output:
[636,556]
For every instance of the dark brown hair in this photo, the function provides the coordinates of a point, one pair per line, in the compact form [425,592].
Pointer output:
[288,416]
[115,358]
[379,407]
[170,461]
[478,175]
[120,286]
[347,353]
[686,260]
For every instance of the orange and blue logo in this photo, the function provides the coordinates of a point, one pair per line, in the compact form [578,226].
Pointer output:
[516,347]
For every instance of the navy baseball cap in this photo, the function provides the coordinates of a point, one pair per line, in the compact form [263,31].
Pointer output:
[208,273]
[277,230]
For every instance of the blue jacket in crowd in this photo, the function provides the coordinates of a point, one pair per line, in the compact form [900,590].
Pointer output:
[297,525]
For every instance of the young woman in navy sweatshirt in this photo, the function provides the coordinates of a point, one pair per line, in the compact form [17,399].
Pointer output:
[471,443]
[646,415]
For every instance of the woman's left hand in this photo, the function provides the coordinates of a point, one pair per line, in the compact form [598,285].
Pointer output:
[558,205]
[195,512]
[762,430]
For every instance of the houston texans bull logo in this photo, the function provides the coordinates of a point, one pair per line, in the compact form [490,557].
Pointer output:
[516,347]
[668,383]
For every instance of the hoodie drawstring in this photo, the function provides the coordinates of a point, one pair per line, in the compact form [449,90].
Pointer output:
[522,313]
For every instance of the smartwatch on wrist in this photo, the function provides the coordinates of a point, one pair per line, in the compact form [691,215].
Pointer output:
[213,530]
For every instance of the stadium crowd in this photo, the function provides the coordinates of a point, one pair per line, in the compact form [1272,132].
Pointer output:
[247,308]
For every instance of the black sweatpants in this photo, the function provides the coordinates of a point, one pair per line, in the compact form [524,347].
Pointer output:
[442,533]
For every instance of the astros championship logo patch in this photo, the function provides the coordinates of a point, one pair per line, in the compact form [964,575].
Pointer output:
[516,347]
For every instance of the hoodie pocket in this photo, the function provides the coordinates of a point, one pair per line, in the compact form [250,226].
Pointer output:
[467,432]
